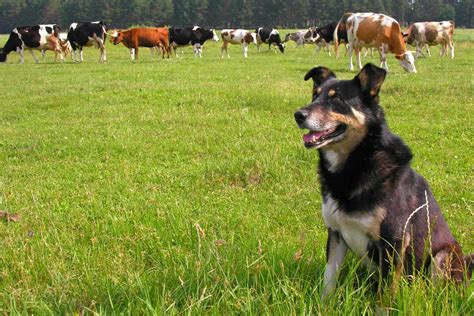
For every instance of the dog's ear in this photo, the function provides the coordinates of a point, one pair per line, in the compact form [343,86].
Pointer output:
[319,75]
[370,79]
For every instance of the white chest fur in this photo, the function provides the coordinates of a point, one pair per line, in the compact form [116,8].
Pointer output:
[358,229]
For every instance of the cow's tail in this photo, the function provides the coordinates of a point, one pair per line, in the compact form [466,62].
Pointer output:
[343,20]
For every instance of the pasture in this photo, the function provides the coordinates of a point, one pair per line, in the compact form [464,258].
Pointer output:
[182,185]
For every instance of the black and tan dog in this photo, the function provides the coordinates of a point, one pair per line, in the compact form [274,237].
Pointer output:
[374,203]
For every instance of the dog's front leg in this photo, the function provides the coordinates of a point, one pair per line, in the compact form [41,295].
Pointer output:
[336,250]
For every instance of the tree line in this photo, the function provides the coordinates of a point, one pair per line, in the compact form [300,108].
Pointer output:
[225,13]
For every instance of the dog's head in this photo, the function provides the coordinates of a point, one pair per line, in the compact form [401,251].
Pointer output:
[341,110]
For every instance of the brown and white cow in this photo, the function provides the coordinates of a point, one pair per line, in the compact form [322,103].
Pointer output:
[142,37]
[37,37]
[375,30]
[237,37]
[427,34]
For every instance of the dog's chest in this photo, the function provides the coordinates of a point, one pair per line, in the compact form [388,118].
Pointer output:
[358,230]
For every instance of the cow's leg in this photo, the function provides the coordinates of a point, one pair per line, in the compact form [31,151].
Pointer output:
[34,56]
[428,50]
[336,249]
[328,48]
[200,51]
[245,47]
[224,48]
[165,44]
[81,55]
[383,58]
[104,54]
[21,51]
[60,52]
[451,47]
[101,45]
[359,62]
[43,54]
[132,54]
[197,50]
[350,52]
[418,51]
[318,47]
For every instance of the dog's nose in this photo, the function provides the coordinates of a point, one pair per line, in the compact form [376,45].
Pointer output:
[301,116]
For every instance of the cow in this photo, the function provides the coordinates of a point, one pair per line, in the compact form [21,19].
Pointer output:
[430,34]
[302,37]
[375,30]
[86,34]
[237,36]
[142,37]
[195,36]
[64,43]
[326,33]
[269,36]
[37,37]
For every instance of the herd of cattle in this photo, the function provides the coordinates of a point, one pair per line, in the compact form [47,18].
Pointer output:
[354,30]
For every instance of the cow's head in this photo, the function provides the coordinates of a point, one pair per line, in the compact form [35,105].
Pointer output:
[281,47]
[407,61]
[215,38]
[116,37]
[311,35]
[254,37]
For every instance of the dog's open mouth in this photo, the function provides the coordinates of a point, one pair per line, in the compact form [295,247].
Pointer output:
[321,138]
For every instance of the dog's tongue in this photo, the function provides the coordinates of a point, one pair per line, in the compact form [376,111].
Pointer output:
[308,138]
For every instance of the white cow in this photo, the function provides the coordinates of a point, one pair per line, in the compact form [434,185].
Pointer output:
[237,37]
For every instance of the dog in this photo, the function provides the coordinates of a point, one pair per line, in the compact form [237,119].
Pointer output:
[374,203]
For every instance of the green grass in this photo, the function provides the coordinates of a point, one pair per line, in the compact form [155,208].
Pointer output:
[183,186]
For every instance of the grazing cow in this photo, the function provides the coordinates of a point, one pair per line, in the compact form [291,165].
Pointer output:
[430,34]
[142,37]
[269,36]
[195,36]
[86,34]
[237,36]
[326,33]
[375,30]
[37,37]
[302,37]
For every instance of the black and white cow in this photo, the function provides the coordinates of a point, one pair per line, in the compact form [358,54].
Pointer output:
[87,34]
[37,37]
[326,33]
[269,36]
[195,36]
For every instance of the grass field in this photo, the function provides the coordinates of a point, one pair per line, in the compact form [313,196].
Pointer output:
[182,185]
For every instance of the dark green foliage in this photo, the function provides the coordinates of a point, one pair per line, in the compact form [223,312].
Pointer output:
[224,13]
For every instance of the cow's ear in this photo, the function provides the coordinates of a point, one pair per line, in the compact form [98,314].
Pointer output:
[371,79]
[319,75]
